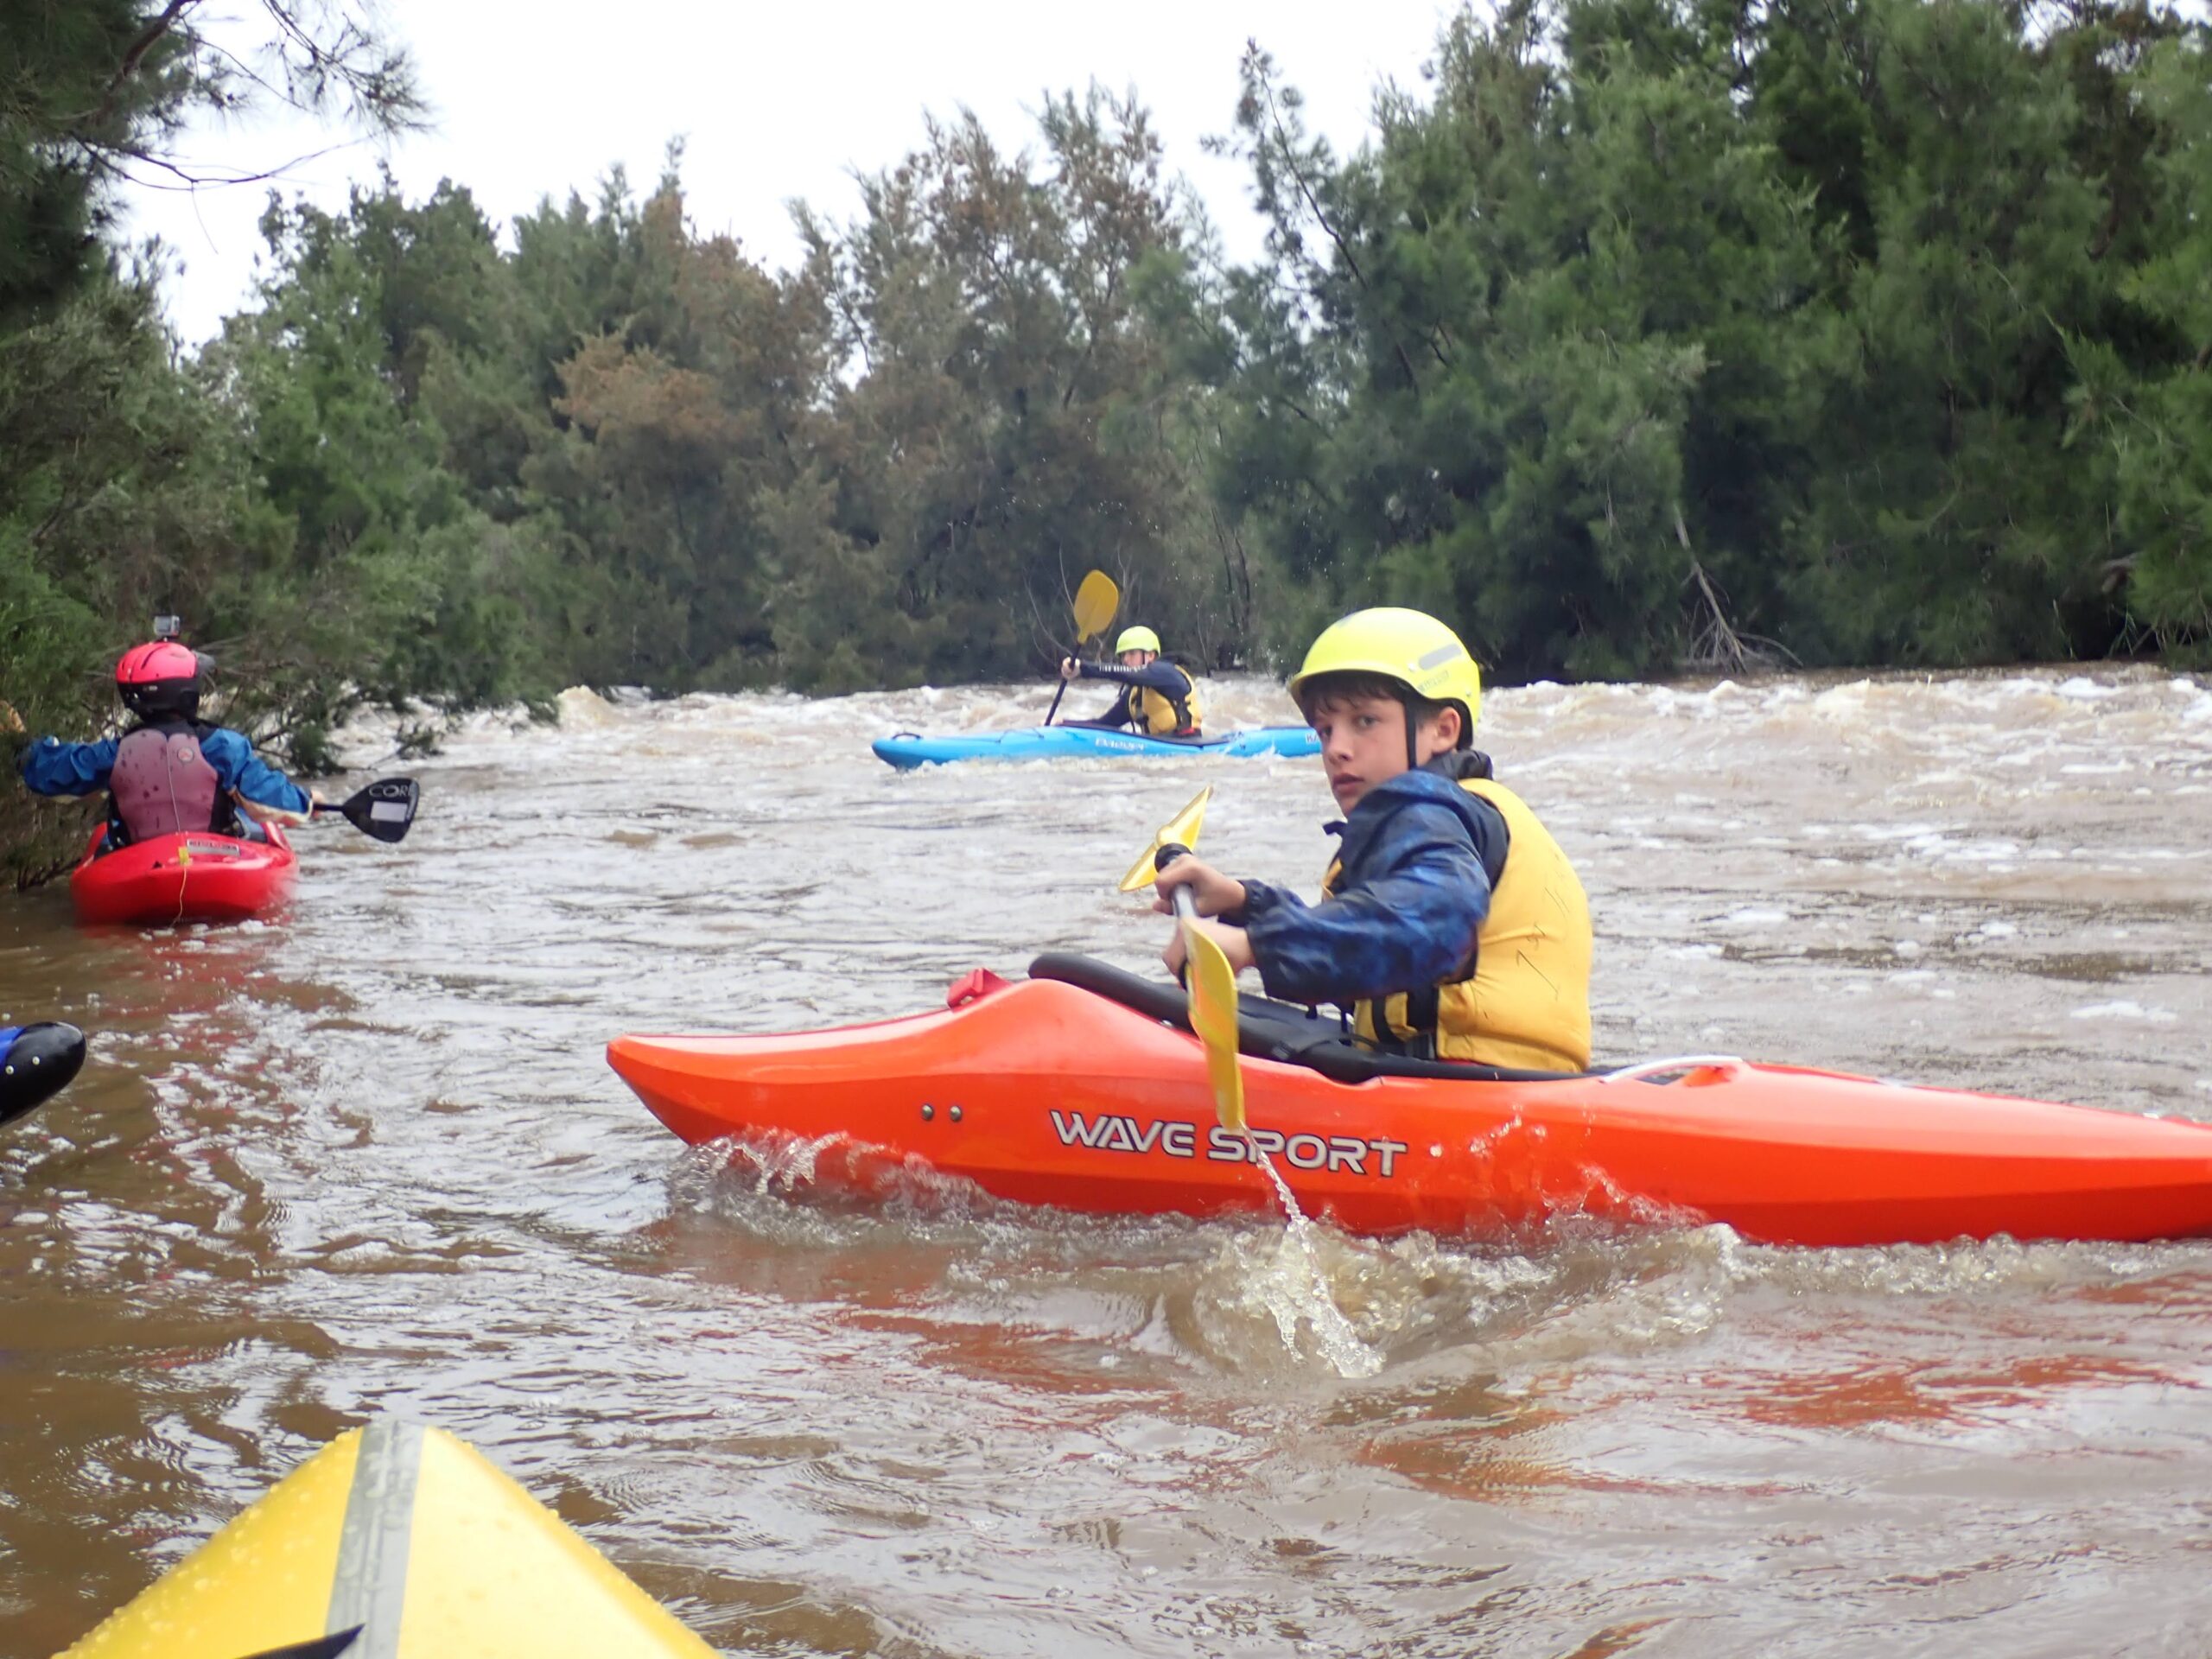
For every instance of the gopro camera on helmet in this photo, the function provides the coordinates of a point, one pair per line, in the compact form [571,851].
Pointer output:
[168,627]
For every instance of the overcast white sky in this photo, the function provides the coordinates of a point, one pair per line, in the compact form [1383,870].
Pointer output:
[773,102]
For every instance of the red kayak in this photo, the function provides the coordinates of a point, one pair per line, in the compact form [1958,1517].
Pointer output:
[200,877]
[1080,1088]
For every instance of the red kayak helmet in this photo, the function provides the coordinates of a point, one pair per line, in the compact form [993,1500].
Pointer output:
[159,678]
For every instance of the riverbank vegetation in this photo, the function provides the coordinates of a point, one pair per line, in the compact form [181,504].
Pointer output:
[1639,333]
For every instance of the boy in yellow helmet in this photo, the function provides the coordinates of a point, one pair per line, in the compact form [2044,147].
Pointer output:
[1159,698]
[1451,924]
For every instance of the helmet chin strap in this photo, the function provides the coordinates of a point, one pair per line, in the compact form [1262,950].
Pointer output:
[1413,728]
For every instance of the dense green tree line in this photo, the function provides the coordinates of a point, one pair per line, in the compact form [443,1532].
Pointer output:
[1643,333]
[1871,332]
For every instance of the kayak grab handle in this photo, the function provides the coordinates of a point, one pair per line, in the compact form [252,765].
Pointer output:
[1644,1070]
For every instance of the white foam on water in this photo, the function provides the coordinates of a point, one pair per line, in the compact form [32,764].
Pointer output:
[2083,690]
[2126,1010]
[1843,702]
[1753,916]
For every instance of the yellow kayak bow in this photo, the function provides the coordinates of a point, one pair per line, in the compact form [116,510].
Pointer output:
[394,1541]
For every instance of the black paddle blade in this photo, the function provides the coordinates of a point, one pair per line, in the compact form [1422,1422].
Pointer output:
[323,1646]
[37,1065]
[386,809]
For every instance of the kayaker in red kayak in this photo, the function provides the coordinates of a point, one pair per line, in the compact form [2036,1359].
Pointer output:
[1159,698]
[171,773]
[1451,924]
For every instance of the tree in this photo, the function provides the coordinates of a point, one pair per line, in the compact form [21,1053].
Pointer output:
[1003,434]
[96,92]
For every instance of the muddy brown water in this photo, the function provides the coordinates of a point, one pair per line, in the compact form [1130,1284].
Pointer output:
[368,1157]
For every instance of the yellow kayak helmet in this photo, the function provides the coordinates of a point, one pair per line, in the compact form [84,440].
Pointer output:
[1137,640]
[1410,647]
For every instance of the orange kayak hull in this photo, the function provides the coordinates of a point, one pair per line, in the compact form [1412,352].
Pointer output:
[200,877]
[1042,1093]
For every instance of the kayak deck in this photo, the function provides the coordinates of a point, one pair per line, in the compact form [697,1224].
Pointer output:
[1039,1092]
[197,877]
[410,1541]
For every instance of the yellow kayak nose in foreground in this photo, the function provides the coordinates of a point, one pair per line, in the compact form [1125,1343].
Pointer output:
[409,1540]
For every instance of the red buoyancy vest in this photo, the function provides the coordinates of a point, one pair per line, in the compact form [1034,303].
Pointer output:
[162,785]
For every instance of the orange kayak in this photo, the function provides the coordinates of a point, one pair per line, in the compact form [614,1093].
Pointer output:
[1075,1089]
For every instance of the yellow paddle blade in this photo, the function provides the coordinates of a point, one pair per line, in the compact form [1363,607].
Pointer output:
[1095,601]
[1213,1016]
[1181,829]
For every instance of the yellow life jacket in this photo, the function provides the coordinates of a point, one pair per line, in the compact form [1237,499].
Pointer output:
[1148,711]
[1527,1002]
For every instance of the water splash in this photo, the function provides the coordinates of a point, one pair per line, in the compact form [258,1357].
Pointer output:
[1295,1289]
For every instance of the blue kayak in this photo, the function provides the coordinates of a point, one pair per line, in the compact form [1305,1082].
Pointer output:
[910,749]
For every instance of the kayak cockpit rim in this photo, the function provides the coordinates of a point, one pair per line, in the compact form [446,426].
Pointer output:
[1645,1071]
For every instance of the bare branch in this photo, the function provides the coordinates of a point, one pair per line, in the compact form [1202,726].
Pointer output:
[136,52]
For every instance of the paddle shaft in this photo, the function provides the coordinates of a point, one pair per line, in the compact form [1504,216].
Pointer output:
[1186,907]
[1063,691]
[1169,853]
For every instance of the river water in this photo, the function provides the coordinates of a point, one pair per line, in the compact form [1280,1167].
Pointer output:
[369,1157]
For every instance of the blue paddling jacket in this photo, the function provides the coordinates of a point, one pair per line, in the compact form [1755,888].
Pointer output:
[49,767]
[1419,856]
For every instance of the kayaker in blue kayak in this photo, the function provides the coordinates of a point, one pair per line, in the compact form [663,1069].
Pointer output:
[1158,698]
[1451,924]
[171,773]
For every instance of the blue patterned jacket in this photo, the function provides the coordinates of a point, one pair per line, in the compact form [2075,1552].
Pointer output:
[1420,854]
